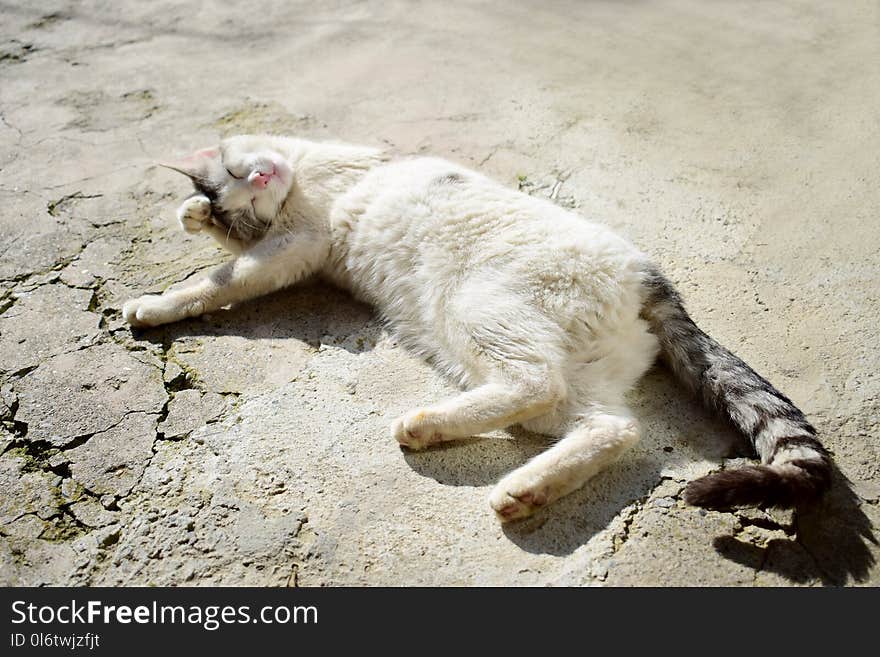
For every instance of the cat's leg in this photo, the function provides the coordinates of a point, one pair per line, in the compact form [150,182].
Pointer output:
[486,408]
[268,266]
[510,346]
[194,215]
[595,440]
[223,236]
[516,351]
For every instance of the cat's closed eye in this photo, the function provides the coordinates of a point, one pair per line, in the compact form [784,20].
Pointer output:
[232,173]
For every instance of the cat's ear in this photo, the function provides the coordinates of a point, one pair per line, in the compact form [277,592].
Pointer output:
[197,166]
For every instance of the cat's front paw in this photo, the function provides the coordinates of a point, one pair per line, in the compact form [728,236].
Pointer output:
[417,430]
[150,310]
[516,496]
[194,214]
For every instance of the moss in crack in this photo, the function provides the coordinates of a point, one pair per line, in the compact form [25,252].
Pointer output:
[174,378]
[64,527]
[102,300]
[43,456]
[178,376]
[34,456]
[16,428]
[93,306]
[55,499]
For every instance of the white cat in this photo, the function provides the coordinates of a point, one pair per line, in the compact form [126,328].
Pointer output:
[545,318]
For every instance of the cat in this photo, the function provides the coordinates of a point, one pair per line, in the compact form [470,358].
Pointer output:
[544,318]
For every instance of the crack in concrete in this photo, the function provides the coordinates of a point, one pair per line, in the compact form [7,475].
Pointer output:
[16,428]
[39,456]
[22,279]
[9,125]
[7,300]
[53,207]
[632,510]
[97,176]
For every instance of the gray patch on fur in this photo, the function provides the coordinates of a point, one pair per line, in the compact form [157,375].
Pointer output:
[450,179]
[241,224]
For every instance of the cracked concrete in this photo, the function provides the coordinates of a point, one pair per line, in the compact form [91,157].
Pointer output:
[735,143]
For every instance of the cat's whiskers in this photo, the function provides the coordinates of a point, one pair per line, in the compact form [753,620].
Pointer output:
[248,225]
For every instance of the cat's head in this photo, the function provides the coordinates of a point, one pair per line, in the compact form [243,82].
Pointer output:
[246,178]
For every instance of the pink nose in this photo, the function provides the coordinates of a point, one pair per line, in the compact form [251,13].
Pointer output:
[260,179]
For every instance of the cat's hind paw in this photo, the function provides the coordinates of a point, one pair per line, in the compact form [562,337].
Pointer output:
[511,501]
[194,213]
[416,431]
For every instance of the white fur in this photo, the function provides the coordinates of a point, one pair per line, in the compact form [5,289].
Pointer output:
[531,308]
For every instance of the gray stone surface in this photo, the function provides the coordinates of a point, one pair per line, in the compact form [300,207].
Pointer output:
[86,391]
[25,491]
[189,410]
[735,143]
[44,322]
[111,462]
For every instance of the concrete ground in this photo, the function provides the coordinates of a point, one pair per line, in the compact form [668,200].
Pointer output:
[736,142]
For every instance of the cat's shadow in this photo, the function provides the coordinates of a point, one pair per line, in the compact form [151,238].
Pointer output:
[565,525]
[313,312]
[831,539]
[572,521]
[830,542]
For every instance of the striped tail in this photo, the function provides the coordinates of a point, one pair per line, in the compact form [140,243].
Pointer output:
[795,467]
